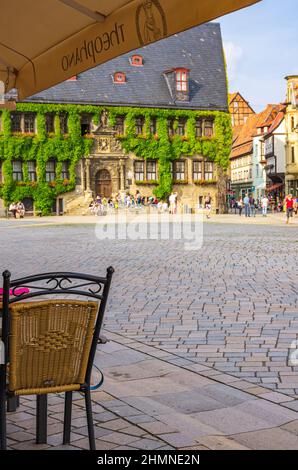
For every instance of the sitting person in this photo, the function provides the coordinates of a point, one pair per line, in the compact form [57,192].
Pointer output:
[20,209]
[13,209]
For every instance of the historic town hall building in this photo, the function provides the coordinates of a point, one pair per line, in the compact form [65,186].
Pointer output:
[155,119]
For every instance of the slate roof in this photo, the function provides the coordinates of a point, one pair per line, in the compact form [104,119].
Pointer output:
[199,49]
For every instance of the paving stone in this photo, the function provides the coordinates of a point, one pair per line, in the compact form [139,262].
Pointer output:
[292,405]
[237,420]
[268,439]
[22,436]
[291,427]
[100,445]
[276,397]
[221,443]
[156,427]
[120,438]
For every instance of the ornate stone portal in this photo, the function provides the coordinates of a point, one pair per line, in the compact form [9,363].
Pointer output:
[103,171]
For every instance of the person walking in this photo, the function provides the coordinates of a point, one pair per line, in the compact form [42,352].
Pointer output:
[138,199]
[208,206]
[246,205]
[173,202]
[240,205]
[296,205]
[289,203]
[252,206]
[264,203]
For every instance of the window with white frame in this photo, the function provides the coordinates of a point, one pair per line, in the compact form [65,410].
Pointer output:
[50,170]
[178,170]
[198,128]
[151,170]
[16,122]
[17,170]
[197,170]
[208,128]
[65,170]
[139,170]
[209,170]
[29,123]
[32,171]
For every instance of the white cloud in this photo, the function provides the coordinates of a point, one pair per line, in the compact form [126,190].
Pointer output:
[234,54]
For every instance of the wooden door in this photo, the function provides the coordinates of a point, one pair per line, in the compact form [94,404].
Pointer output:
[103,185]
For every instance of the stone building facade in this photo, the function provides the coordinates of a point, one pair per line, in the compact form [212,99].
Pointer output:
[166,96]
[291,122]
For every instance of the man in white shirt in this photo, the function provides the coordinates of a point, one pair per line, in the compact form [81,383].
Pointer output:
[264,203]
[172,201]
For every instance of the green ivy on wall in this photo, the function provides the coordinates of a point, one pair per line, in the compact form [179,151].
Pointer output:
[165,149]
[40,148]
[72,147]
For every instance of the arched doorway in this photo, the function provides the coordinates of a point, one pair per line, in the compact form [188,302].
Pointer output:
[103,184]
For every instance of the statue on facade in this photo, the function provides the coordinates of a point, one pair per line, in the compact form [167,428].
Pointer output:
[104,118]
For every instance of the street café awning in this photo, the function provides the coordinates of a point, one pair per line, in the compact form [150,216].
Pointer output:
[44,42]
[273,187]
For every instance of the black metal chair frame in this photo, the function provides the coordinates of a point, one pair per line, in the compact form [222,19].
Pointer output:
[56,284]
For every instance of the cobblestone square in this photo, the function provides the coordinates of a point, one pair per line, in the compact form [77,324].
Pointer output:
[231,305]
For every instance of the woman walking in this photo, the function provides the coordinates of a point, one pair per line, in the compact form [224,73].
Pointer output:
[289,203]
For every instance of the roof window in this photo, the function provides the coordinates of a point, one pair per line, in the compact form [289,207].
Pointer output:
[136,61]
[119,77]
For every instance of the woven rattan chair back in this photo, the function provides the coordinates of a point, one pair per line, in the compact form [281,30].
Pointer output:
[50,343]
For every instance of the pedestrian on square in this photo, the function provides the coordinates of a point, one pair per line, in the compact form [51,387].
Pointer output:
[172,201]
[246,205]
[296,205]
[240,205]
[208,206]
[264,204]
[289,203]
[165,206]
[138,199]
[252,206]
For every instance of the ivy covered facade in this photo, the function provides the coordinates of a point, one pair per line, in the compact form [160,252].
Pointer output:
[57,151]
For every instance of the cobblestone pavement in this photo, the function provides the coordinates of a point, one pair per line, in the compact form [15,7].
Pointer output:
[154,400]
[232,305]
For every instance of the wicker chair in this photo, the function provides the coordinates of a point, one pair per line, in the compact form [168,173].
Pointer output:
[50,345]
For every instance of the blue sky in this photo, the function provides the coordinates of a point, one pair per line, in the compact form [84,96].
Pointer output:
[261,45]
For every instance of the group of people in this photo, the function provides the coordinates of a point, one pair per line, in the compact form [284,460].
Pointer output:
[17,209]
[252,206]
[100,205]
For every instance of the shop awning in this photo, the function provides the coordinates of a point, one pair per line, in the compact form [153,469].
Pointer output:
[44,42]
[273,187]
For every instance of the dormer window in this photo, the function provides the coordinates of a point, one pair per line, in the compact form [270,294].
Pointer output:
[136,61]
[182,79]
[119,77]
